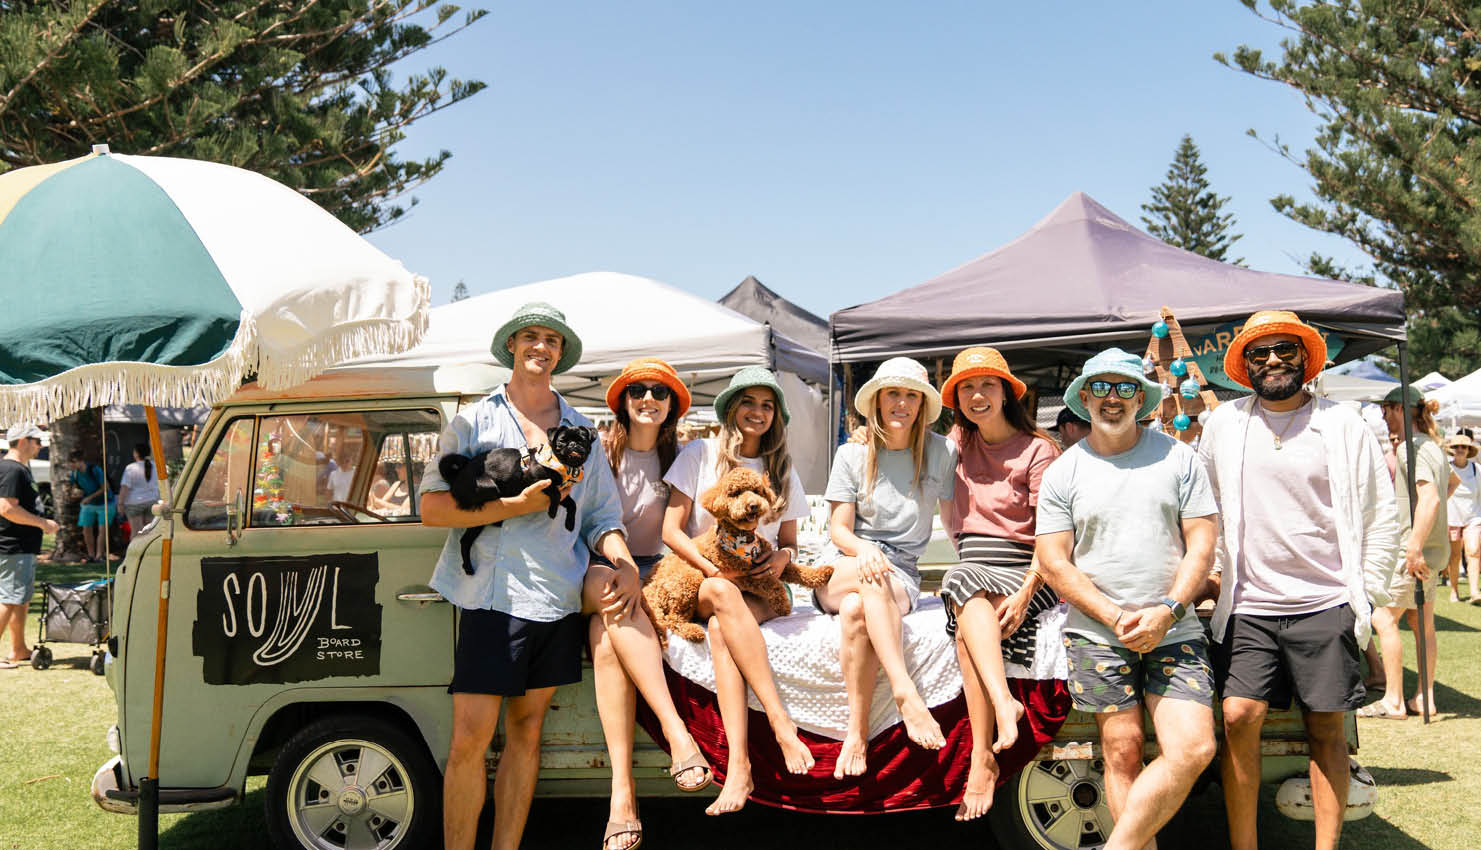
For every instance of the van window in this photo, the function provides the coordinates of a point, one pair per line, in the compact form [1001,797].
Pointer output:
[228,473]
[341,468]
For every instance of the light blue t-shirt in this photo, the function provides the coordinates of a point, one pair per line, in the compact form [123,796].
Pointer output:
[1126,511]
[898,511]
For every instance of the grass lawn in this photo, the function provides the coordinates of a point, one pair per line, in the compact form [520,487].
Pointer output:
[55,721]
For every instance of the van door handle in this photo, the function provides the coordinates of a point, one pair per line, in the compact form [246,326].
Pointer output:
[421,597]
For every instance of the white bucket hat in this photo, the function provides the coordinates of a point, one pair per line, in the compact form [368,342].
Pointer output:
[900,372]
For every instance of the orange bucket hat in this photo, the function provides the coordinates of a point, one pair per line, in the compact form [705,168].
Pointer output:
[976,361]
[1265,323]
[649,369]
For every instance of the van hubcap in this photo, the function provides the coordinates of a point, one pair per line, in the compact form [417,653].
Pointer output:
[1062,803]
[351,795]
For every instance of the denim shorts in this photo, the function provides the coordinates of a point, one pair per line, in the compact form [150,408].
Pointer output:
[17,579]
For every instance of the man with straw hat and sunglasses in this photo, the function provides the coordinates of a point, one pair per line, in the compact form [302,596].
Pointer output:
[1126,532]
[520,629]
[1309,537]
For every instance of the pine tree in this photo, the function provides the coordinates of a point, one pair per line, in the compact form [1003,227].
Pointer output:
[460,291]
[1185,212]
[1396,163]
[299,90]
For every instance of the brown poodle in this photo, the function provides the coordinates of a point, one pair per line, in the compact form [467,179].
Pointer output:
[739,501]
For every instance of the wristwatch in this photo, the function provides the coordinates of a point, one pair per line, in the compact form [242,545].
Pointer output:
[1178,608]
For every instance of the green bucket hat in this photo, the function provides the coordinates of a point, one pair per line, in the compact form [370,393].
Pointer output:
[546,316]
[751,376]
[1113,361]
[1396,396]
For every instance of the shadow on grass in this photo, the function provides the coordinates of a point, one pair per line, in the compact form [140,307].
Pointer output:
[1445,624]
[1448,700]
[1394,776]
[1202,822]
[237,828]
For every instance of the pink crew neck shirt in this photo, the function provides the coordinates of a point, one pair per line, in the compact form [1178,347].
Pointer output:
[997,486]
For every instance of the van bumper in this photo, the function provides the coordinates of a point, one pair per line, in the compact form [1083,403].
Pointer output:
[125,801]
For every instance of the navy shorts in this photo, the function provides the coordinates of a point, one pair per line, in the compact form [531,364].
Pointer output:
[505,655]
[1313,657]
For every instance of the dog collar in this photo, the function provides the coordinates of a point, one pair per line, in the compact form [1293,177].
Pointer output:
[745,545]
[545,456]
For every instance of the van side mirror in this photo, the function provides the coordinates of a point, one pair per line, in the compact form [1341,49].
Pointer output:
[234,518]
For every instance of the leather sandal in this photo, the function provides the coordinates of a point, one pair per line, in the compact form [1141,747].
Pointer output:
[695,761]
[623,827]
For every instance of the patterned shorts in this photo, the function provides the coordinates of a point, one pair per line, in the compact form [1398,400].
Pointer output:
[1113,678]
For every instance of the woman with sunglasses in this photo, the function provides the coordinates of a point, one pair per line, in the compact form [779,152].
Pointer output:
[994,597]
[647,401]
[753,434]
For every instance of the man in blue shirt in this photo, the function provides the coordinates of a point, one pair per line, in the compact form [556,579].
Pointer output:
[520,631]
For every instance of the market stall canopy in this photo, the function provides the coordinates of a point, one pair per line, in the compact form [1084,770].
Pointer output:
[753,298]
[1460,401]
[1432,381]
[1083,279]
[1338,387]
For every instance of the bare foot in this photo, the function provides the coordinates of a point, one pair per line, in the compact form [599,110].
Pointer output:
[1415,708]
[1008,717]
[795,753]
[733,794]
[982,781]
[920,726]
[851,757]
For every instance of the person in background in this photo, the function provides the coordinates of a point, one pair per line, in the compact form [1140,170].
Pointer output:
[1463,515]
[21,529]
[1426,544]
[389,495]
[95,509]
[1069,428]
[1126,528]
[139,489]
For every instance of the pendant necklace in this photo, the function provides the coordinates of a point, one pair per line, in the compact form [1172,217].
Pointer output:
[1271,428]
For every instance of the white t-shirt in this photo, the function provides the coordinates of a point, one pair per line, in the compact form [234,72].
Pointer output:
[693,472]
[340,479]
[1465,502]
[142,491]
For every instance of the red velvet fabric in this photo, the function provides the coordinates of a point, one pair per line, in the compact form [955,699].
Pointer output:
[901,775]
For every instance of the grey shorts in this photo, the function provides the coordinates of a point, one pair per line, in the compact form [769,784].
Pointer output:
[17,579]
[902,566]
[1113,678]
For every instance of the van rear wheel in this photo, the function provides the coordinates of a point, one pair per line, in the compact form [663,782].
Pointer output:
[353,783]
[1053,805]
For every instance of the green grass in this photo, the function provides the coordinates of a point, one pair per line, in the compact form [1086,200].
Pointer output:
[55,720]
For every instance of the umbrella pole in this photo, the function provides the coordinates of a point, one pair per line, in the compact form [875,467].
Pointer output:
[1419,638]
[149,785]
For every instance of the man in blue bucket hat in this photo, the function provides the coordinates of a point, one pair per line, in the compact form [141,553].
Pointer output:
[1126,533]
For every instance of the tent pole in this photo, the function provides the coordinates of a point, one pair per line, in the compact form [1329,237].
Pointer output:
[149,785]
[1419,636]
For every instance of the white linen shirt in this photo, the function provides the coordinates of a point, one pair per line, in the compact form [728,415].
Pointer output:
[1367,517]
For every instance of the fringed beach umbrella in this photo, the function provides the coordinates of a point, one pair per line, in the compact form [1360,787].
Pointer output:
[166,282]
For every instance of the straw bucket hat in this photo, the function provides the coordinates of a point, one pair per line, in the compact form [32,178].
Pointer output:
[900,372]
[1463,440]
[975,362]
[1265,323]
[649,369]
[545,316]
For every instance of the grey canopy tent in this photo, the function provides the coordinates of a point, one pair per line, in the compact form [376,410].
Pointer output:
[754,299]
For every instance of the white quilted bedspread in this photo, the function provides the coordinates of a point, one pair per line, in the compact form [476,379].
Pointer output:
[803,649]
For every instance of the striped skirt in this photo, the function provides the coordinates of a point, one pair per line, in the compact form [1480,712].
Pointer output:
[995,566]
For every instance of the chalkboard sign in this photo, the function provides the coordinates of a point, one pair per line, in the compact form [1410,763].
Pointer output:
[286,619]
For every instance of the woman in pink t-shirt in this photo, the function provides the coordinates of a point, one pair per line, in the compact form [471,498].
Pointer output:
[993,598]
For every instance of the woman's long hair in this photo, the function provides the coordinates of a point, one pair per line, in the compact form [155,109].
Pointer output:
[877,437]
[142,450]
[668,437]
[1013,411]
[776,460]
[1422,417]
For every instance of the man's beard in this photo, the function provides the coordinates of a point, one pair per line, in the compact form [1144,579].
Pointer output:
[1276,386]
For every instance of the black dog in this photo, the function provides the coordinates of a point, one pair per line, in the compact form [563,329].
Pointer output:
[505,473]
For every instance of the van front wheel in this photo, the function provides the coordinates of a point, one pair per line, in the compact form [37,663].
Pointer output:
[1053,805]
[353,783]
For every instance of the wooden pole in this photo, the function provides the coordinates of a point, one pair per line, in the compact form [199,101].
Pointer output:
[149,785]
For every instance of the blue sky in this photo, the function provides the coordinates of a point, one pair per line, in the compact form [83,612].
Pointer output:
[839,152]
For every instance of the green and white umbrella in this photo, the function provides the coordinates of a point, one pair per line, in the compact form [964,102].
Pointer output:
[152,280]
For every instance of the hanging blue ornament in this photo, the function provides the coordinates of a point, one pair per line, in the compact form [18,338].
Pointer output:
[1190,388]
[1159,329]
[1181,422]
[1178,368]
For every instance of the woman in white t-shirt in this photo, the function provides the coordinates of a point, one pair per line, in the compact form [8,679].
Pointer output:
[139,489]
[753,434]
[647,400]
[1463,514]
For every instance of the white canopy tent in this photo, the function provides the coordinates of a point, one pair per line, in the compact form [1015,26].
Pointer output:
[1339,387]
[621,317]
[1432,381]
[1460,401]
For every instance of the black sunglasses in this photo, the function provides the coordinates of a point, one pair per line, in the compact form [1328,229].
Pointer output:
[1125,389]
[1287,351]
[660,392]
